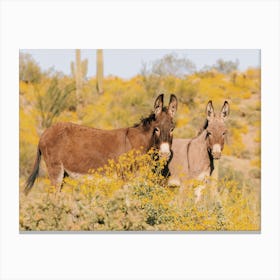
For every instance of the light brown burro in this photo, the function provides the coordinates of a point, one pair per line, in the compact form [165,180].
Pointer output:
[194,158]
[71,149]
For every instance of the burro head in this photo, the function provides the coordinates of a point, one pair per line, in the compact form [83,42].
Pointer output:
[216,129]
[164,125]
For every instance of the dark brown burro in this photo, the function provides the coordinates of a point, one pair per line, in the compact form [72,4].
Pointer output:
[194,158]
[71,149]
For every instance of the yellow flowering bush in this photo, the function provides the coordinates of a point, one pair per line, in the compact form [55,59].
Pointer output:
[131,194]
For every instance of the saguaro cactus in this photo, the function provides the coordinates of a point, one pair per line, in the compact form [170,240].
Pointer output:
[99,71]
[79,71]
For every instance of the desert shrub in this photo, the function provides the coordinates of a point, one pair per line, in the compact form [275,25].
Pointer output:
[131,194]
[29,70]
[187,90]
[245,154]
[28,141]
[51,103]
[255,173]
[231,174]
[256,162]
[235,145]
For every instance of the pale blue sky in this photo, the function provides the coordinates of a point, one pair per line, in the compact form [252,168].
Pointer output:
[128,63]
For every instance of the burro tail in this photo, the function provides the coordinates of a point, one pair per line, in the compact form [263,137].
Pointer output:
[31,179]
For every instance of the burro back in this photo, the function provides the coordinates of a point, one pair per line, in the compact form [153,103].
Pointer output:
[194,158]
[71,149]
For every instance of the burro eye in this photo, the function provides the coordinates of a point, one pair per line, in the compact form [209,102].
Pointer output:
[209,133]
[171,129]
[157,130]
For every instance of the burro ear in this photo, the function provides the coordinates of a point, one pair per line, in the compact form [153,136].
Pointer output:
[158,104]
[225,110]
[173,104]
[210,110]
